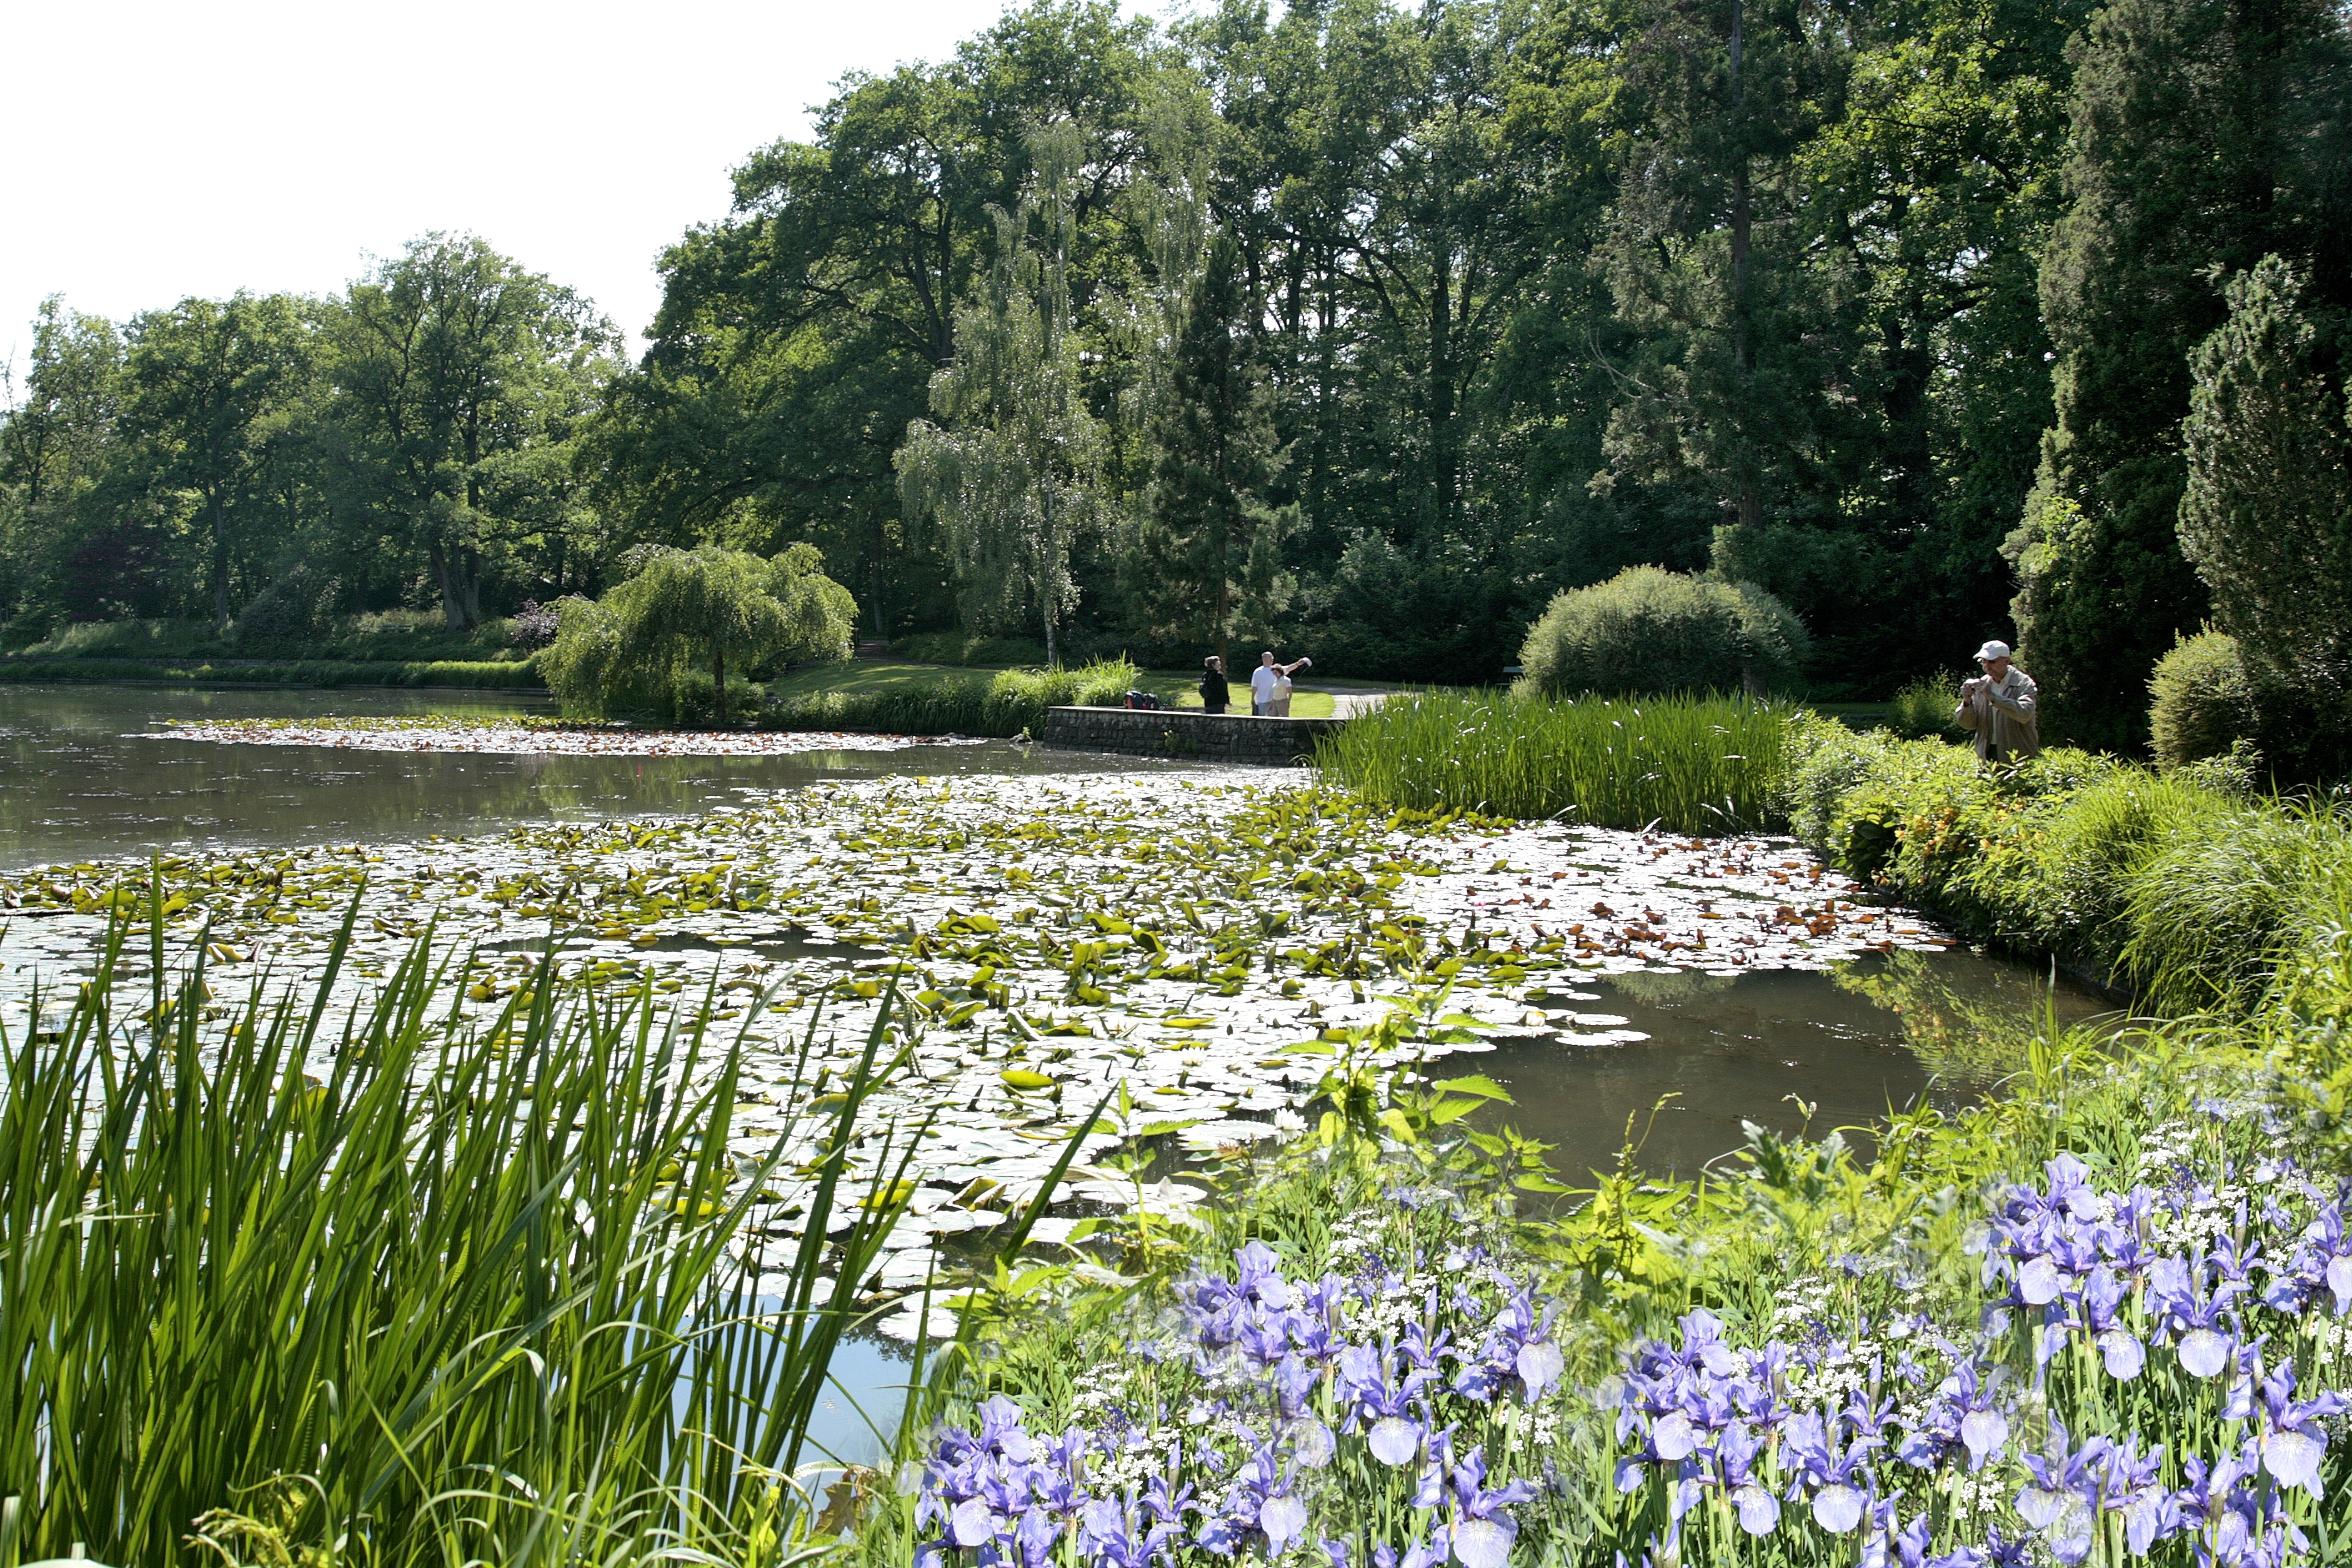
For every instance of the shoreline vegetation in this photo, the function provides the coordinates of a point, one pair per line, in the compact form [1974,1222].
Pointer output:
[2096,1318]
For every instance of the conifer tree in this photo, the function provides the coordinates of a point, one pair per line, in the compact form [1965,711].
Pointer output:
[2202,134]
[1211,540]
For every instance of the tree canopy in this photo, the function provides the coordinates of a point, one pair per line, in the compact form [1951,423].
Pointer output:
[1374,326]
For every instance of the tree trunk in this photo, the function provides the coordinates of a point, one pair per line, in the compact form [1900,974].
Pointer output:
[458,575]
[718,676]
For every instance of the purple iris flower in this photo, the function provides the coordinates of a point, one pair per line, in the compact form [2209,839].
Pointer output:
[1963,1415]
[2323,1261]
[1481,1532]
[1261,1506]
[1110,1536]
[2062,1498]
[2175,1295]
[2289,1434]
[1378,1399]
[1835,1476]
[1735,1455]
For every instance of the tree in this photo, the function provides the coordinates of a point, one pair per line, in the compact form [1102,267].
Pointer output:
[683,608]
[1012,469]
[55,442]
[204,379]
[2205,136]
[2266,513]
[450,365]
[1209,545]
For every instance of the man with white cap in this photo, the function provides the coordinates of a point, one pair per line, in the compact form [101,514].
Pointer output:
[2001,706]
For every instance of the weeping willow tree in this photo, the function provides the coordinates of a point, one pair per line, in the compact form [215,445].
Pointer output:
[684,611]
[1010,464]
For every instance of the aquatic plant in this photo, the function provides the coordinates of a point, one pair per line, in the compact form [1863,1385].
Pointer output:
[1690,765]
[381,1284]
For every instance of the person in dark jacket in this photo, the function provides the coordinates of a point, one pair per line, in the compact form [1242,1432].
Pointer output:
[1213,690]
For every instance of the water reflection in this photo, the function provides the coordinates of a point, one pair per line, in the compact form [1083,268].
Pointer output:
[1882,1033]
[76,782]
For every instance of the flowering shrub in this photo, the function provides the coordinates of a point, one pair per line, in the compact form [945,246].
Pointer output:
[2151,1365]
[535,625]
[1394,1413]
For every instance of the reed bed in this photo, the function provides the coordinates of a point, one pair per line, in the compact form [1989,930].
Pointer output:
[1692,764]
[308,1285]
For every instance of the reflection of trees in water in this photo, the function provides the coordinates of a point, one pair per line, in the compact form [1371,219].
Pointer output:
[1972,1019]
[1679,988]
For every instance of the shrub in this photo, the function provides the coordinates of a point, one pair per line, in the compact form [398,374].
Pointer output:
[535,625]
[289,615]
[962,648]
[1011,703]
[1647,630]
[2204,702]
[1924,708]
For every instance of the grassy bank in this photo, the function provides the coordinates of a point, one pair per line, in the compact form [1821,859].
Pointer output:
[2187,888]
[1691,764]
[932,702]
[474,674]
[391,636]
[284,1288]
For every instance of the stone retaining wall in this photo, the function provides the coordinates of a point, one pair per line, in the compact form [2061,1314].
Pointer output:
[1186,733]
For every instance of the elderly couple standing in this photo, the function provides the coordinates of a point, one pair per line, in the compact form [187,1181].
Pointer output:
[1269,686]
[2001,707]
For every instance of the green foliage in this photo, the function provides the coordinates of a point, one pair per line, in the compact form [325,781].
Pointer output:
[401,1291]
[1924,707]
[1012,467]
[2203,704]
[473,673]
[1691,764]
[2267,514]
[1646,631]
[2191,159]
[636,650]
[1011,703]
[2191,895]
[1210,547]
[963,648]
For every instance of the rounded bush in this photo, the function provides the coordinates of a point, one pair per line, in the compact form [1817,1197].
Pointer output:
[1649,631]
[2203,700]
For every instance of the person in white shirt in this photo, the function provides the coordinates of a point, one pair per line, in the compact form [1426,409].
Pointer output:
[1270,686]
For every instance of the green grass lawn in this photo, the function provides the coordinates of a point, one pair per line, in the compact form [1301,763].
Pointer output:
[864,676]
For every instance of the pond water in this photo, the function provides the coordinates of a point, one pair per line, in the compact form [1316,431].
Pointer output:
[83,782]
[1792,1050]
[1826,1010]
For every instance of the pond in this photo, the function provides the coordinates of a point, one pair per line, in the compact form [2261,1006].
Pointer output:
[1200,944]
[86,779]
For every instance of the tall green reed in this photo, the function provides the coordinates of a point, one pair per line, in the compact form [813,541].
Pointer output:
[1689,764]
[406,1290]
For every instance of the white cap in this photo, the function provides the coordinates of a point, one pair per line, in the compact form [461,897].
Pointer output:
[1991,651]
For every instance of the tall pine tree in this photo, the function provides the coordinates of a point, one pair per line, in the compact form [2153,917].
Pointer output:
[1211,540]
[2206,133]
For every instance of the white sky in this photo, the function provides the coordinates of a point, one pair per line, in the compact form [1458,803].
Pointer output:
[160,149]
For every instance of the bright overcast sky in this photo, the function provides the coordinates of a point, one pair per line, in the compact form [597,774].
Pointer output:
[200,146]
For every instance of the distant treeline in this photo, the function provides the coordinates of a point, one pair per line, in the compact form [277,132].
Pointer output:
[1365,328]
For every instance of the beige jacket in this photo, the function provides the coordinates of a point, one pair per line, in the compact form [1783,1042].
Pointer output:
[2004,717]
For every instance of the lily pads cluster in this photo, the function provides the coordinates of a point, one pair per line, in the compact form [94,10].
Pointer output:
[2158,1363]
[1394,1410]
[511,737]
[1161,953]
